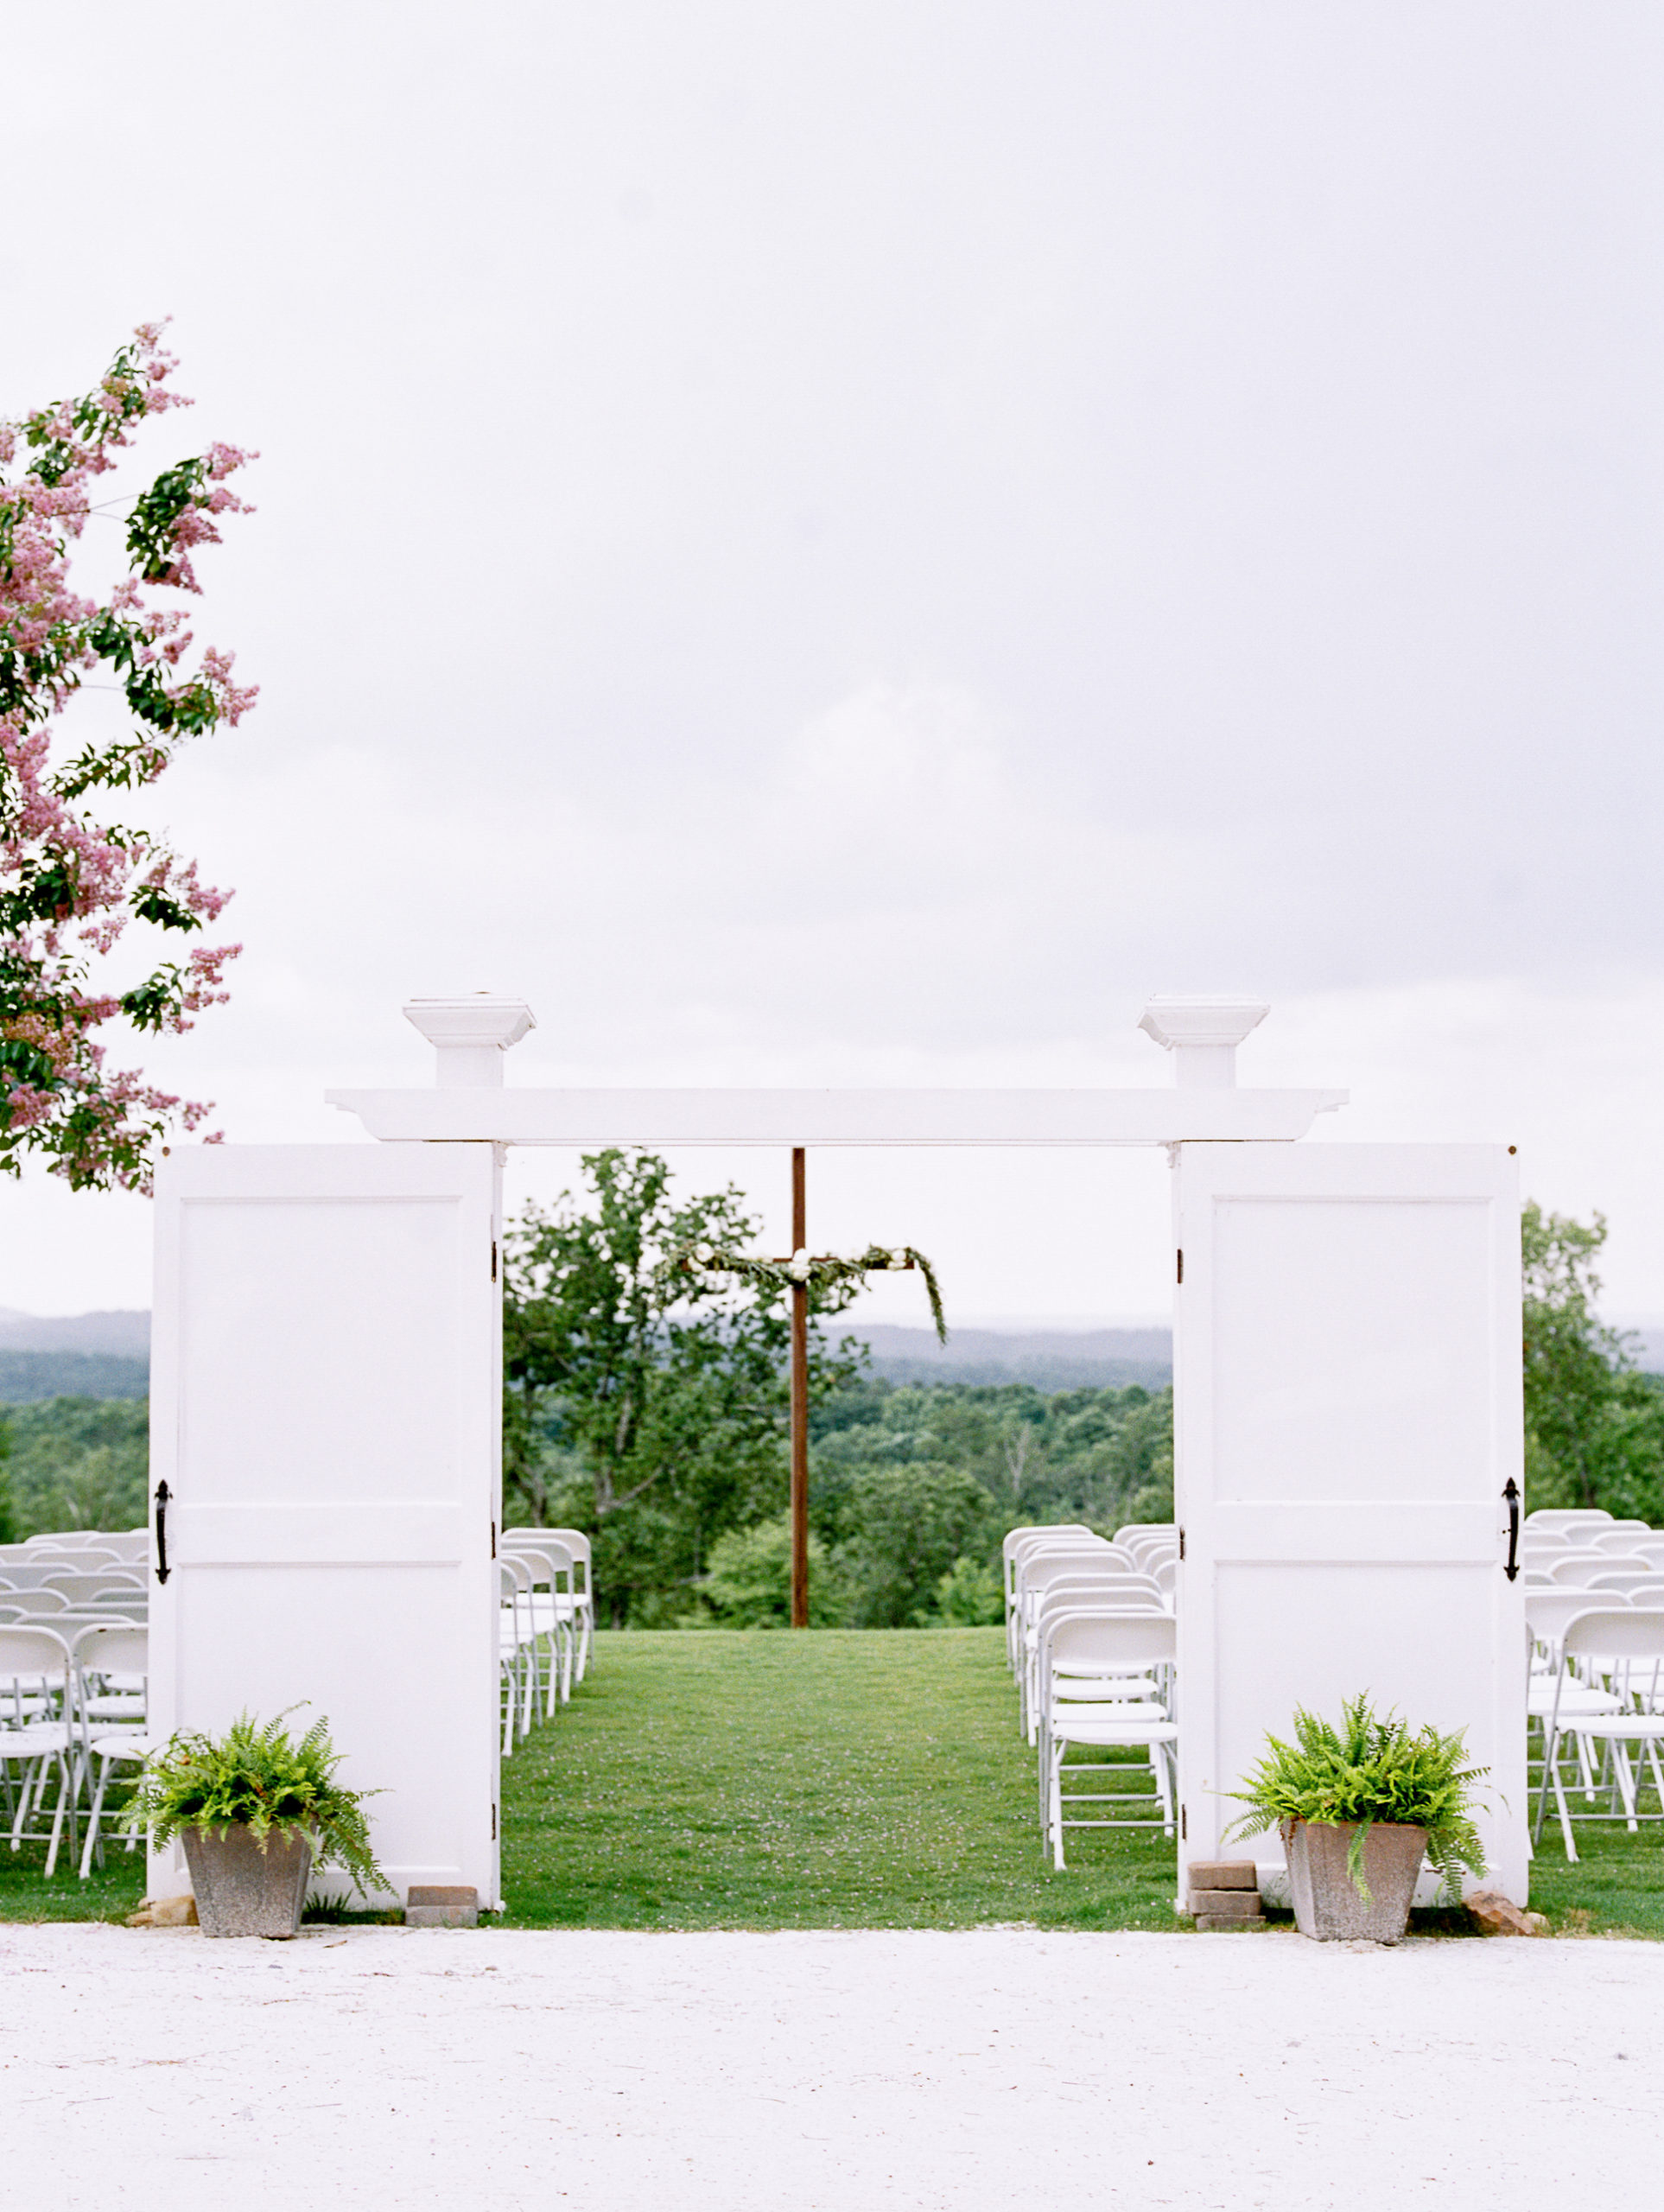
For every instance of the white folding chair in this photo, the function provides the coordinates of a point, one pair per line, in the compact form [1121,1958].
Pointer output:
[1092,1645]
[553,1616]
[1546,1615]
[516,1641]
[1035,1548]
[111,1667]
[1111,1583]
[34,1663]
[1018,1543]
[583,1593]
[1628,1646]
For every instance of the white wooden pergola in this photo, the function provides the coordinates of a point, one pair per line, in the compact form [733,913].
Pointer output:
[326,1402]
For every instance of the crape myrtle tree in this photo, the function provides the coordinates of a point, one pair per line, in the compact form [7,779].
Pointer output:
[72,879]
[1594,1424]
[644,1404]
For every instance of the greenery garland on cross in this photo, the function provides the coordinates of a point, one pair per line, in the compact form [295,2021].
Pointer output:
[813,1271]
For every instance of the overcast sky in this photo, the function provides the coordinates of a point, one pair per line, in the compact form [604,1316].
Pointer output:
[850,543]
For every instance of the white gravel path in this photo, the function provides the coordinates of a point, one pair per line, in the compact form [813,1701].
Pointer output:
[823,2073]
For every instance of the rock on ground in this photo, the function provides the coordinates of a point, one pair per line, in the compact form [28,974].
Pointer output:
[822,2073]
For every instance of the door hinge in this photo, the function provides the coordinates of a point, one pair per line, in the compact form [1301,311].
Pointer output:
[493,1539]
[1181,1543]
[493,1823]
[1181,1263]
[1184,1825]
[493,1259]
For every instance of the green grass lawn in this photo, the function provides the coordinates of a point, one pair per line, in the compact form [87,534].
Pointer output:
[841,1779]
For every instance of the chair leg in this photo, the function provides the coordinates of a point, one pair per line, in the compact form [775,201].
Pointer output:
[1551,1745]
[1658,1777]
[95,1818]
[58,1812]
[1565,1818]
[1624,1775]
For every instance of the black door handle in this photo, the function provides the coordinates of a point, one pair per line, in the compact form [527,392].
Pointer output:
[163,1495]
[1511,1492]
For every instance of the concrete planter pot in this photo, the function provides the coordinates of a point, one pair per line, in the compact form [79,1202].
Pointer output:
[243,1890]
[1327,1906]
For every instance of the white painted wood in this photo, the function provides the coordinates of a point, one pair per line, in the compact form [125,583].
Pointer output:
[1347,1411]
[1201,1034]
[735,1118]
[325,1410]
[470,1035]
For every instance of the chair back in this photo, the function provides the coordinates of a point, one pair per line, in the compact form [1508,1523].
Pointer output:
[1577,1568]
[34,1601]
[78,1588]
[1139,1533]
[1080,1642]
[1564,1516]
[1621,1536]
[1114,1594]
[1014,1537]
[1052,1568]
[1548,1612]
[25,1649]
[545,1562]
[573,1540]
[108,1649]
[1631,1634]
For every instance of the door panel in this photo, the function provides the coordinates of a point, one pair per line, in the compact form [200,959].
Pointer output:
[1347,1414]
[326,1412]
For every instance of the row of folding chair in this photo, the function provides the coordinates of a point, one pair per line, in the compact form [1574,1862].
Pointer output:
[74,1711]
[1584,1546]
[1596,1694]
[78,1600]
[1050,1565]
[546,1630]
[1090,1638]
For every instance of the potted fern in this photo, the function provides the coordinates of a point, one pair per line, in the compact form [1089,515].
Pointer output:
[1358,1809]
[255,1810]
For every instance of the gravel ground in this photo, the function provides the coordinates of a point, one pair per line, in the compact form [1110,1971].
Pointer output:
[385,2067]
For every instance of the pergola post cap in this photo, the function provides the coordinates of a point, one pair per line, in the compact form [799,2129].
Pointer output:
[1201,1034]
[470,1035]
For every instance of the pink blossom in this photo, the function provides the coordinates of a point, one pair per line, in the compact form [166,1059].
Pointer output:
[87,879]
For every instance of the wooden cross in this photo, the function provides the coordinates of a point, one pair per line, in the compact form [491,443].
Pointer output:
[800,1258]
[800,1394]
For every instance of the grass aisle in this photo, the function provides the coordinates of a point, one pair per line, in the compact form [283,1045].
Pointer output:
[838,1779]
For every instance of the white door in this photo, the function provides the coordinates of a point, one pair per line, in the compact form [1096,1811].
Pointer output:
[326,1415]
[1348,1416]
